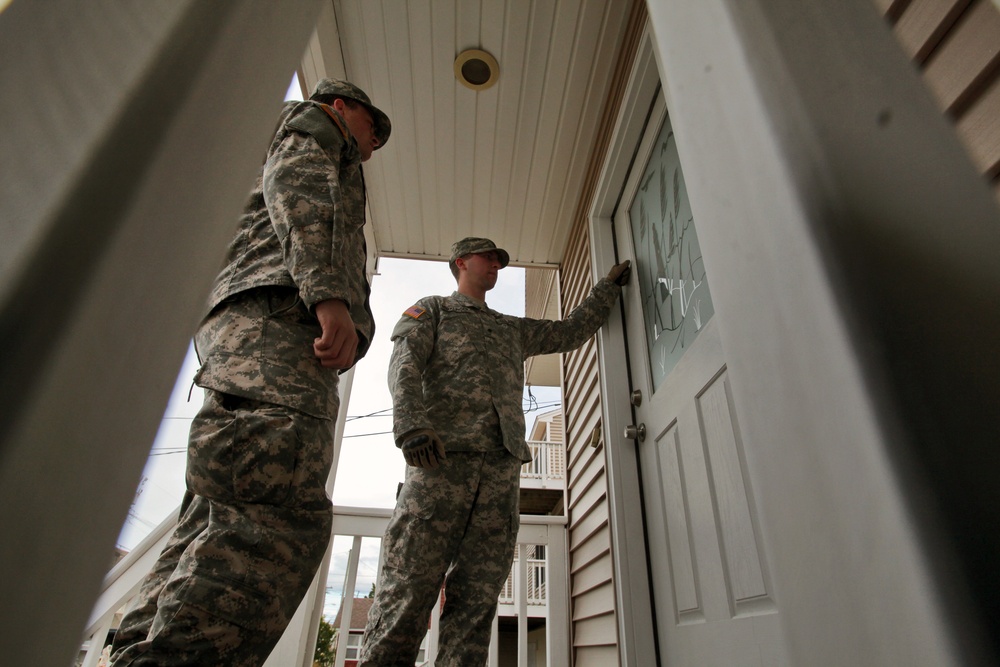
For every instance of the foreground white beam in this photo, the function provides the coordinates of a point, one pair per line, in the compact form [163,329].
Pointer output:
[130,135]
[853,250]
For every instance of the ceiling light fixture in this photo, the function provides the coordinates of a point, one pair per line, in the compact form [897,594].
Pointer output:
[476,69]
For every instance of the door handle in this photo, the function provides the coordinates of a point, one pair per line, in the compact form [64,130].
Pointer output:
[633,432]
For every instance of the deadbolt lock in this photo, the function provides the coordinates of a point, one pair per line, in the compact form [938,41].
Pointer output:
[633,432]
[636,398]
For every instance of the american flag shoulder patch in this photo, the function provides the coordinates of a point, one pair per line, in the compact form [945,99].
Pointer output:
[415,312]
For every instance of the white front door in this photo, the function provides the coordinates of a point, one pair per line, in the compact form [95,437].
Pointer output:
[714,603]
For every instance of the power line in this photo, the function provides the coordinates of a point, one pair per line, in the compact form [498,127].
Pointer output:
[377,413]
[167,450]
[533,406]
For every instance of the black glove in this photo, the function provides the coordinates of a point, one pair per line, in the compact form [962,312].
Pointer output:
[423,449]
[619,273]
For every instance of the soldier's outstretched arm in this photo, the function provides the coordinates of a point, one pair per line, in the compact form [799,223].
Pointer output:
[548,336]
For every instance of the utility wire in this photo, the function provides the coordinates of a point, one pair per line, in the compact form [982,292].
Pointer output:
[532,406]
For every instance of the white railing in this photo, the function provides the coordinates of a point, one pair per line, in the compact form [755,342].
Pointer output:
[537,573]
[548,463]
[120,586]
[534,588]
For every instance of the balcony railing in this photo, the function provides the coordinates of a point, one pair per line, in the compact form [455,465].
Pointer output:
[536,595]
[547,465]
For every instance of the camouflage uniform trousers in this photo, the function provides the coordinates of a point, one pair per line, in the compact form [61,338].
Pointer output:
[254,526]
[464,516]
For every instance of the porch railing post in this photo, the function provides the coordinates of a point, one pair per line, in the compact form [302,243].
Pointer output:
[347,601]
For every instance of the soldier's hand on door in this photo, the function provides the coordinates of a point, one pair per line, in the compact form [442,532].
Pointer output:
[423,449]
[620,272]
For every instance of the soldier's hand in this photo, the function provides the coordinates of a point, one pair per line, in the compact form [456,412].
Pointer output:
[338,345]
[423,449]
[620,272]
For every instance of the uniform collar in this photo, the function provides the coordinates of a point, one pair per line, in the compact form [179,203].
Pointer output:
[467,300]
[353,154]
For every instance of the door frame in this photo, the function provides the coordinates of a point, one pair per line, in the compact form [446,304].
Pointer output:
[637,640]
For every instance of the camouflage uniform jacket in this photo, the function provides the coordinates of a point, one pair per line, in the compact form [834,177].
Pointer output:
[457,367]
[301,228]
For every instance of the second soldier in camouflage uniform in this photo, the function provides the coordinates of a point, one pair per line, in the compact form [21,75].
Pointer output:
[288,312]
[457,377]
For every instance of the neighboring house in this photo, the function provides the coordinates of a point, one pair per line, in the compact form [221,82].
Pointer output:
[792,467]
[543,479]
[359,617]
[356,629]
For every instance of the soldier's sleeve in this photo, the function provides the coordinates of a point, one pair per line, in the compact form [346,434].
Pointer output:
[549,336]
[301,186]
[413,344]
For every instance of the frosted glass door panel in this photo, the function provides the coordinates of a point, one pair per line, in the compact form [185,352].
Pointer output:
[676,303]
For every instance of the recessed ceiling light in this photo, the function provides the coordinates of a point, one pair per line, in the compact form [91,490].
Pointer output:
[476,69]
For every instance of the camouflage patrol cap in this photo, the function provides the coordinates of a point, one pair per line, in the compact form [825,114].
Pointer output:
[473,246]
[347,89]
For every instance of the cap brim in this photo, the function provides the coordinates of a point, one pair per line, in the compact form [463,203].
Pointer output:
[383,128]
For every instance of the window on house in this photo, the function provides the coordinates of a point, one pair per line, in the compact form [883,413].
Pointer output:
[353,646]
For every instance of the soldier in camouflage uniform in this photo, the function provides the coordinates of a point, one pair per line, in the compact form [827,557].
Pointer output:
[286,314]
[457,377]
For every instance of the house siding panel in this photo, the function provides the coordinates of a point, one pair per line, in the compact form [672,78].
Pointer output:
[956,45]
[590,550]
[980,130]
[924,23]
[967,58]
[598,656]
[594,638]
[594,624]
[598,631]
[598,601]
[587,480]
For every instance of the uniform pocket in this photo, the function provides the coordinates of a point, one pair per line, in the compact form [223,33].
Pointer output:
[210,451]
[266,453]
[282,301]
[243,450]
[231,601]
[412,536]
[419,504]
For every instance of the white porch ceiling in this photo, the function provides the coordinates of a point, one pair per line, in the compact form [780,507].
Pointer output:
[508,162]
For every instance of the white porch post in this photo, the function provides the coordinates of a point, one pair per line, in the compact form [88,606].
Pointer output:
[434,634]
[125,163]
[96,646]
[494,659]
[521,603]
[557,624]
[347,604]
